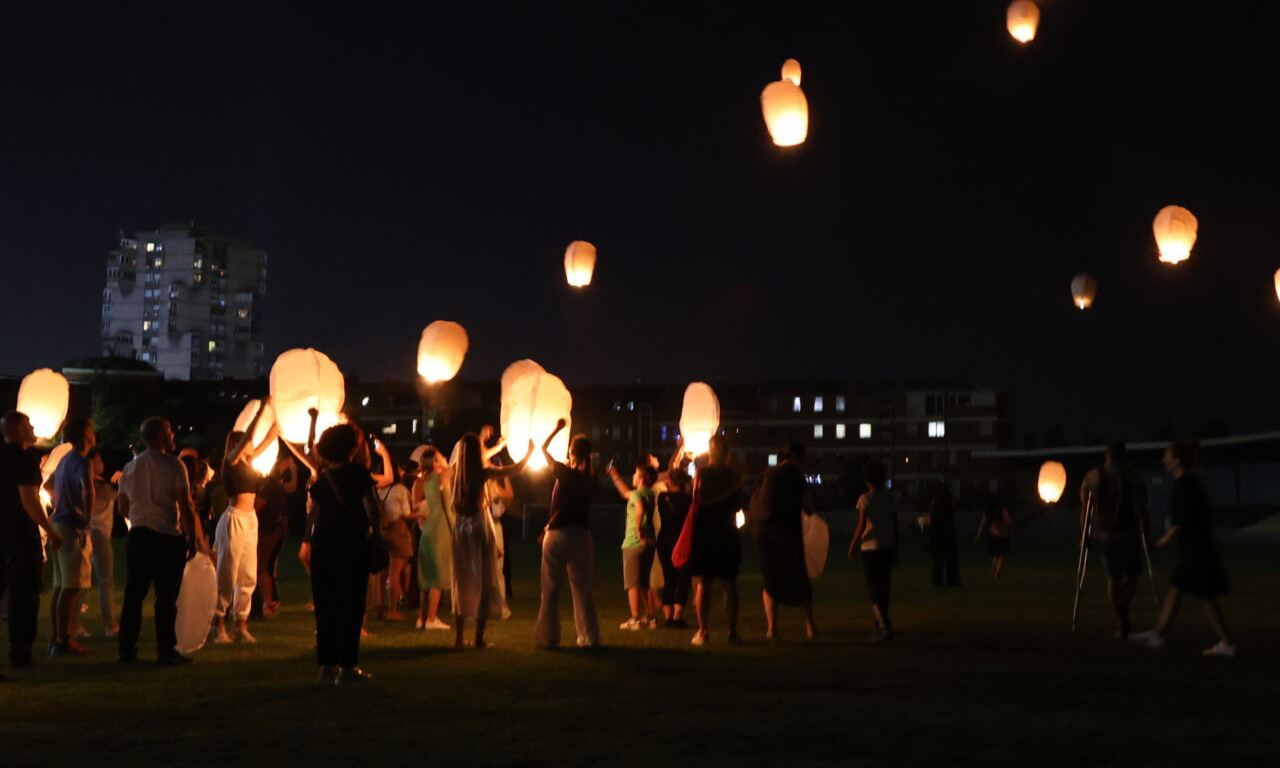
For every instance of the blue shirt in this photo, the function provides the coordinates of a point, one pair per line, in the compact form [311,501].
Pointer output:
[68,491]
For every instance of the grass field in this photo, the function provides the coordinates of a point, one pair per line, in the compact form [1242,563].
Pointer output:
[987,674]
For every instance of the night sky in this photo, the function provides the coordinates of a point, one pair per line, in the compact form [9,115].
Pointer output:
[407,163]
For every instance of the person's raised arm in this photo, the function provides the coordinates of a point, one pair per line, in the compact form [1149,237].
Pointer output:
[677,456]
[273,434]
[514,469]
[246,442]
[297,454]
[619,484]
[30,496]
[388,475]
[546,444]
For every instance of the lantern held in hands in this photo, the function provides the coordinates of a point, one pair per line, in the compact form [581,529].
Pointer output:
[530,409]
[441,350]
[1052,481]
[786,110]
[1022,18]
[699,417]
[579,263]
[267,459]
[1083,290]
[43,397]
[302,379]
[1175,231]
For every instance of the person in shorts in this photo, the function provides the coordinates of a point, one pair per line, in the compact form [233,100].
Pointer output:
[638,544]
[72,488]
[1117,499]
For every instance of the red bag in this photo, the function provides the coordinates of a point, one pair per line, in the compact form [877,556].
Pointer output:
[684,545]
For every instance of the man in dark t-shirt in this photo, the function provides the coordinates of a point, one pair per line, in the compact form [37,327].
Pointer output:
[21,518]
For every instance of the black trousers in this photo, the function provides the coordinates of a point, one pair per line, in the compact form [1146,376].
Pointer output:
[22,573]
[339,585]
[946,564]
[151,558]
[675,581]
[877,567]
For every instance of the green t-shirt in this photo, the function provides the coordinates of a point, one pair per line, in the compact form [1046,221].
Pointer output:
[639,497]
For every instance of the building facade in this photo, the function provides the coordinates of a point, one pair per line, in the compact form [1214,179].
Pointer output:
[186,301]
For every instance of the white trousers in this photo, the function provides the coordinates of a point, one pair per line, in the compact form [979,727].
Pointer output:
[570,550]
[237,561]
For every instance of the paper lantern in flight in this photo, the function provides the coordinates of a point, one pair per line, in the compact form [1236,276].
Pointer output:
[1083,290]
[267,459]
[791,71]
[1052,481]
[1175,231]
[579,263]
[1278,283]
[531,406]
[1022,18]
[786,110]
[302,379]
[699,417]
[43,397]
[441,350]
[512,374]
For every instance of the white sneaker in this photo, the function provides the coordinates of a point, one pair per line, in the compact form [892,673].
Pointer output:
[632,624]
[436,623]
[1150,639]
[1220,650]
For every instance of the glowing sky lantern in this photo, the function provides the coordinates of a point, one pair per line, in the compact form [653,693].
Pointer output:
[791,71]
[1083,290]
[267,459]
[579,263]
[740,518]
[1022,18]
[699,417]
[43,396]
[1278,283]
[441,350]
[513,373]
[1175,231]
[1052,482]
[531,406]
[302,379]
[786,110]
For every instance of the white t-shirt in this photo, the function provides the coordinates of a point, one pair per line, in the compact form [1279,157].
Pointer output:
[395,503]
[154,482]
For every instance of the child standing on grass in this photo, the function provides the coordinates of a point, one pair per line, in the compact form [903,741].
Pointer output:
[638,544]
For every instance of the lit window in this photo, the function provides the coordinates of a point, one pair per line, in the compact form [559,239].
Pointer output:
[773,459]
[214,345]
[151,247]
[415,426]
[157,262]
[148,325]
[839,431]
[796,405]
[817,430]
[390,429]
[198,263]
[817,404]
[839,403]
[937,429]
[864,431]
[242,313]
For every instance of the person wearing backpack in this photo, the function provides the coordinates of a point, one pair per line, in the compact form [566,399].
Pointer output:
[1118,526]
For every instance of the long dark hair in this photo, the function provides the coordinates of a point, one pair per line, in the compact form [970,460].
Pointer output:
[468,476]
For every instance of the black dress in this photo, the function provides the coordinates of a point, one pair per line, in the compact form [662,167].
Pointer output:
[717,550]
[1199,571]
[780,536]
[340,562]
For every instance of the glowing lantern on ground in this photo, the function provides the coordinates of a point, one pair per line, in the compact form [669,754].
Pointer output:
[302,379]
[267,459]
[786,110]
[699,417]
[791,71]
[1175,231]
[43,397]
[579,263]
[531,406]
[1083,289]
[1052,482]
[1022,18]
[441,350]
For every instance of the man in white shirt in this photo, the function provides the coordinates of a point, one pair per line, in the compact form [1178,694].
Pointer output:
[164,532]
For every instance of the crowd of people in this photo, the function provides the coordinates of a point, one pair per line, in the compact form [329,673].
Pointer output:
[381,535]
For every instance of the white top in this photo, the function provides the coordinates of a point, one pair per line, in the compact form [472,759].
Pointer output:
[154,482]
[395,503]
[879,510]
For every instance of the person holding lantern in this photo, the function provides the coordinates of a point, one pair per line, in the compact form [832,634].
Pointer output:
[716,551]
[477,580]
[22,517]
[72,489]
[237,533]
[567,547]
[638,543]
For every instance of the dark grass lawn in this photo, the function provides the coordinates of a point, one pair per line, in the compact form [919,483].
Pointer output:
[987,675]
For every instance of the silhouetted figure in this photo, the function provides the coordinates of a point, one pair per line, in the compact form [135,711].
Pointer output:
[778,507]
[942,539]
[1119,522]
[876,540]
